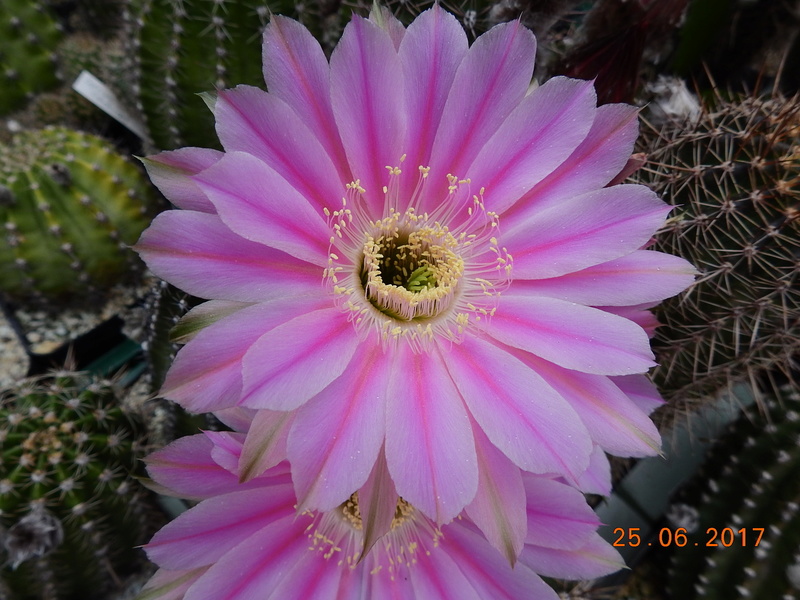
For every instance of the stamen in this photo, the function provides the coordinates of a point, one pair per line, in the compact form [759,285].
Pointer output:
[410,275]
[337,534]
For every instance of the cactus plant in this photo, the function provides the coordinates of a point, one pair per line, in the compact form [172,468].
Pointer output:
[28,38]
[747,519]
[185,47]
[69,205]
[733,175]
[70,510]
[164,305]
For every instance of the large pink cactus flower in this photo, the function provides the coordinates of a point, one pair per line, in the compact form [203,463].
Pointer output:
[407,250]
[245,541]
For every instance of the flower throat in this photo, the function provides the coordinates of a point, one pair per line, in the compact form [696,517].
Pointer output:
[410,273]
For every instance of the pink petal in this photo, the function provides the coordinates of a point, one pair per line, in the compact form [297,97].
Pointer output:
[169,585]
[366,79]
[250,120]
[488,573]
[237,418]
[433,47]
[438,576]
[595,559]
[295,361]
[296,71]
[597,477]
[583,231]
[613,420]
[641,391]
[490,82]
[207,372]
[571,335]
[640,277]
[383,18]
[265,444]
[602,154]
[430,448]
[499,506]
[205,533]
[259,204]
[558,516]
[641,315]
[311,577]
[186,468]
[227,449]
[523,416]
[199,254]
[172,171]
[258,564]
[329,463]
[390,588]
[635,162]
[534,140]
[377,501]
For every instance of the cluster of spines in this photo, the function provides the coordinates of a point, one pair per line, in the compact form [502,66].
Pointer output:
[28,39]
[70,509]
[182,48]
[733,176]
[70,206]
[749,484]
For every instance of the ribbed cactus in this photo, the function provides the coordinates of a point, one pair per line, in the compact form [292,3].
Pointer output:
[185,47]
[70,511]
[28,38]
[748,489]
[69,205]
[733,176]
[164,305]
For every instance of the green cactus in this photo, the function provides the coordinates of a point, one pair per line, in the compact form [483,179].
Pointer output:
[165,305]
[70,512]
[748,489]
[186,47]
[69,205]
[28,38]
[733,175]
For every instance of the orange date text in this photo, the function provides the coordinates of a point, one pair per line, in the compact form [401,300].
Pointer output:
[667,537]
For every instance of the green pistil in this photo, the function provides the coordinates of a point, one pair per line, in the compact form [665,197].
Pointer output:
[421,279]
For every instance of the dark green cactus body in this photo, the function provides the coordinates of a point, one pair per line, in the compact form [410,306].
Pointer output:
[28,38]
[733,176]
[186,47]
[70,511]
[748,489]
[165,306]
[70,206]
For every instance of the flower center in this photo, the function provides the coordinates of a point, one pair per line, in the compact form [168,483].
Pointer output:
[410,274]
[352,514]
[338,535]
[415,276]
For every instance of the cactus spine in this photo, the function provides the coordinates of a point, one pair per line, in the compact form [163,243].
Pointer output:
[70,511]
[69,205]
[733,175]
